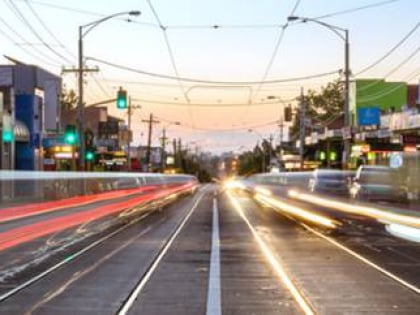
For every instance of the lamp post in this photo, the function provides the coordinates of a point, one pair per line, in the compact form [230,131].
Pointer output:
[344,35]
[83,31]
[163,153]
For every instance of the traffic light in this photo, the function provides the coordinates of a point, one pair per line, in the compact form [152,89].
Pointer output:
[7,136]
[288,113]
[70,135]
[90,155]
[122,99]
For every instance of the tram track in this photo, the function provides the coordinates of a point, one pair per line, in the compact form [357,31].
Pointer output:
[83,252]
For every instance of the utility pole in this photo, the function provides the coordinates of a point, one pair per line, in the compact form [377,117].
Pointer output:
[163,155]
[302,128]
[130,109]
[175,152]
[149,140]
[80,121]
[280,142]
[347,118]
[270,149]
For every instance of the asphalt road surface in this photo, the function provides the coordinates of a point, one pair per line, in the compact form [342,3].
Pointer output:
[220,252]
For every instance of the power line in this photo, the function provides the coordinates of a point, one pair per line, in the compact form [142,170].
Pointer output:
[164,76]
[275,51]
[29,52]
[23,19]
[44,25]
[172,58]
[415,52]
[222,26]
[372,97]
[395,47]
[81,11]
[369,6]
[213,104]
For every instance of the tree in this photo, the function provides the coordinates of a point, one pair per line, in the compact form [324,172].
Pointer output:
[322,107]
[68,101]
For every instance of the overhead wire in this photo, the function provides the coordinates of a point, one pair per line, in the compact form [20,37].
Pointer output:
[172,58]
[367,98]
[169,77]
[27,50]
[45,26]
[39,53]
[214,105]
[388,53]
[368,6]
[393,70]
[275,51]
[16,11]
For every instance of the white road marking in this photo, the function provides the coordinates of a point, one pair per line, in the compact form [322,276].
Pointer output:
[365,260]
[134,296]
[214,305]
[275,264]
[69,259]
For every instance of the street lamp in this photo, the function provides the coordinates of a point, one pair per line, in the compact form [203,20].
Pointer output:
[339,32]
[83,31]
[163,153]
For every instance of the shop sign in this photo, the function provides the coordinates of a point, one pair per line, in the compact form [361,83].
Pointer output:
[414,121]
[385,121]
[368,116]
[399,121]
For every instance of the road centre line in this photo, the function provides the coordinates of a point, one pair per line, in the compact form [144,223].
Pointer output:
[214,305]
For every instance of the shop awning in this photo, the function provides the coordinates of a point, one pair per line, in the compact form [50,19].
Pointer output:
[21,132]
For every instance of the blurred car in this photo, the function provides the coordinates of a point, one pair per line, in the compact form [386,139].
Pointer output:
[327,181]
[378,183]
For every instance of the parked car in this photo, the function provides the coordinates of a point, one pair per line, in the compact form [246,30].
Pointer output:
[378,183]
[327,181]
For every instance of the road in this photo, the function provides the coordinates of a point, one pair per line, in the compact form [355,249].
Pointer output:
[221,252]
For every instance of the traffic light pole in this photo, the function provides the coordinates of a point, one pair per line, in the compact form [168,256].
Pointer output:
[129,111]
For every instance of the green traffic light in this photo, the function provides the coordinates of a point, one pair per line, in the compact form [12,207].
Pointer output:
[121,103]
[90,156]
[7,136]
[70,139]
[122,99]
[70,135]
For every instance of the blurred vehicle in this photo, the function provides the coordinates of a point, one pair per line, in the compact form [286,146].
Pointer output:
[278,183]
[327,181]
[378,183]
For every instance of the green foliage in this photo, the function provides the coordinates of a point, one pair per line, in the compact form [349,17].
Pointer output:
[68,101]
[322,106]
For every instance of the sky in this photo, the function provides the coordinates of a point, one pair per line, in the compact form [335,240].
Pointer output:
[228,48]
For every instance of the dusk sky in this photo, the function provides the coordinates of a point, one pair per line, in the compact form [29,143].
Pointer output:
[228,48]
